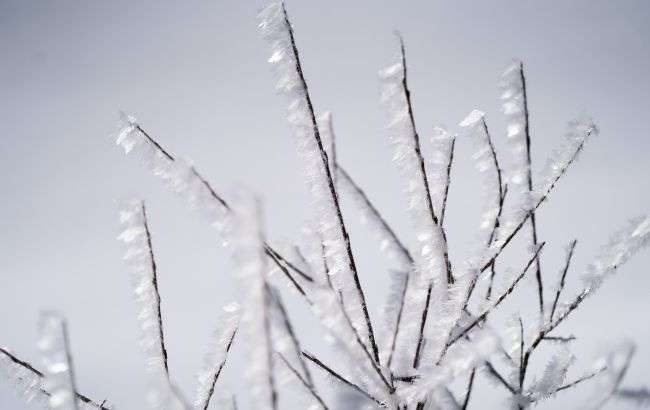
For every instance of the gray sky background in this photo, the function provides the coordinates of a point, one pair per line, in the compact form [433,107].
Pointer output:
[195,75]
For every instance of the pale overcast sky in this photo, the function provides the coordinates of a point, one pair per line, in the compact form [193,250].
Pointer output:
[195,75]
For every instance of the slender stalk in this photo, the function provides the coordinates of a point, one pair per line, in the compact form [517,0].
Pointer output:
[402,249]
[213,383]
[470,385]
[580,380]
[340,378]
[330,181]
[154,271]
[216,196]
[418,154]
[374,365]
[68,356]
[500,378]
[308,384]
[447,182]
[27,366]
[500,299]
[292,334]
[563,277]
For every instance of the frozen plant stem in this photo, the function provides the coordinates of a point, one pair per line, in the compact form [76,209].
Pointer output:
[154,282]
[330,181]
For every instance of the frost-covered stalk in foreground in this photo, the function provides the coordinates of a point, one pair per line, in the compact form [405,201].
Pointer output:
[432,267]
[276,28]
[217,354]
[515,106]
[250,261]
[181,177]
[140,259]
[55,351]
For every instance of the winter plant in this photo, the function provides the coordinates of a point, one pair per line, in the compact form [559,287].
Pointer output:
[437,340]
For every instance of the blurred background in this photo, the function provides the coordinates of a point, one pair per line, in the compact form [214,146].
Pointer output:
[195,75]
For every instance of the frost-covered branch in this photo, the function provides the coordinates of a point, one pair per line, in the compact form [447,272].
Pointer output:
[140,258]
[183,178]
[217,355]
[340,378]
[29,381]
[59,379]
[276,28]
[565,269]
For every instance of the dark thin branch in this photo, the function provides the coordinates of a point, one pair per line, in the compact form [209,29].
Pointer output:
[340,378]
[521,354]
[224,203]
[308,384]
[27,366]
[563,277]
[470,385]
[292,334]
[396,241]
[423,322]
[540,201]
[500,299]
[375,212]
[580,380]
[286,273]
[332,188]
[500,378]
[154,271]
[418,154]
[213,383]
[447,182]
[374,365]
[529,179]
[559,339]
[398,320]
[68,356]
[290,265]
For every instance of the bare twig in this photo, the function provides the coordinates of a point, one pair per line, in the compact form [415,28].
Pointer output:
[500,299]
[529,178]
[308,384]
[292,334]
[563,277]
[443,208]
[334,196]
[27,366]
[340,378]
[213,383]
[154,275]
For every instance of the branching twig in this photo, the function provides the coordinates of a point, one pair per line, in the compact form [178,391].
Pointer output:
[563,277]
[154,277]
[332,189]
[27,366]
[340,378]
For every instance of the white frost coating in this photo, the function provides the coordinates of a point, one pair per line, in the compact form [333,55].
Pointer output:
[514,108]
[429,258]
[475,128]
[177,174]
[441,143]
[251,267]
[462,357]
[216,355]
[553,377]
[621,247]
[276,31]
[27,384]
[579,131]
[388,242]
[58,374]
[138,258]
